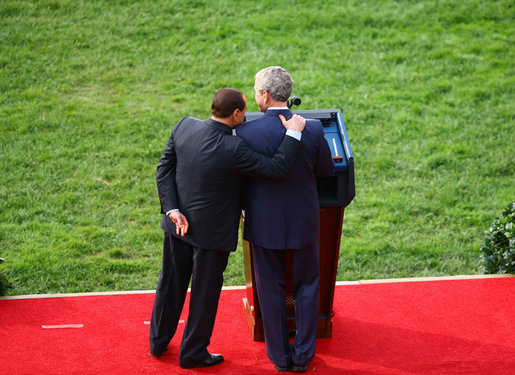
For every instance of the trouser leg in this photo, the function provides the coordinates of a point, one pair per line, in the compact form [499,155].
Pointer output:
[206,285]
[306,292]
[269,266]
[171,291]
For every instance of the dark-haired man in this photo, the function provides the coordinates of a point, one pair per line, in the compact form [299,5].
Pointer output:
[199,179]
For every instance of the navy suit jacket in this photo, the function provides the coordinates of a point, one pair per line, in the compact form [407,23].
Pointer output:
[200,173]
[285,214]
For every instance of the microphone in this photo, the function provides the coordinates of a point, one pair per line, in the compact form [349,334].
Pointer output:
[294,100]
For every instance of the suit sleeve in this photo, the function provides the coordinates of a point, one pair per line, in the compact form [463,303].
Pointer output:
[252,163]
[165,175]
[324,166]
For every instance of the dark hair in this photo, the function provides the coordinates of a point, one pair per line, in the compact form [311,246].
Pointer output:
[226,101]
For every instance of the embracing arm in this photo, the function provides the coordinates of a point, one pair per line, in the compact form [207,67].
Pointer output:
[252,163]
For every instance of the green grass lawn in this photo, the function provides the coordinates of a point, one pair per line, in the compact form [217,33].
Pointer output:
[90,91]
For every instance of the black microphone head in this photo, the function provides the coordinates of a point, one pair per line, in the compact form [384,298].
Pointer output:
[294,100]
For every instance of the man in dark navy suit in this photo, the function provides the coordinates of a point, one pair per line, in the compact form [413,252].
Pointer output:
[199,179]
[285,214]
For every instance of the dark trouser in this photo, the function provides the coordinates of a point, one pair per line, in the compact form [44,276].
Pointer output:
[269,268]
[205,267]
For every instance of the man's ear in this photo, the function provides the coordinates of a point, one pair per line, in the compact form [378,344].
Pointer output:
[265,96]
[234,116]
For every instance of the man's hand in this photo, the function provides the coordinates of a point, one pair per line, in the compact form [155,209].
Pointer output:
[296,123]
[181,223]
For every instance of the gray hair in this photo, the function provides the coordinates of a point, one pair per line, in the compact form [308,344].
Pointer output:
[276,81]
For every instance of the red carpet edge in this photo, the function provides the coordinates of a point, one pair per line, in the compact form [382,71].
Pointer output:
[236,287]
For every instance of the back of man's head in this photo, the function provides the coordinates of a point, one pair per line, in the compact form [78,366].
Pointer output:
[226,101]
[276,81]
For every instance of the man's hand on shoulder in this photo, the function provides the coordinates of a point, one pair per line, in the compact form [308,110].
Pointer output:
[296,123]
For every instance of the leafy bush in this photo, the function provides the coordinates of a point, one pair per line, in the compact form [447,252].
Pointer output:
[499,248]
[5,284]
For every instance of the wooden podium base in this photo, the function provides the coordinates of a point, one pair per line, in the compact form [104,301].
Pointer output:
[256,327]
[331,220]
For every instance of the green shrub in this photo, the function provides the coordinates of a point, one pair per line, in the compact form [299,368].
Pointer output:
[5,283]
[499,248]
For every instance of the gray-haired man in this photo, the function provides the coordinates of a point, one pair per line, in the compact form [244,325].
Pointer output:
[285,214]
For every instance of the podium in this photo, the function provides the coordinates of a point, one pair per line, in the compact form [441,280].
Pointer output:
[334,193]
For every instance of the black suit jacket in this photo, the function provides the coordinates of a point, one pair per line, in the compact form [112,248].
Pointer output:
[200,173]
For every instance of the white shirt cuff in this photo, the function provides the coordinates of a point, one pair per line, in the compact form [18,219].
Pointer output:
[295,134]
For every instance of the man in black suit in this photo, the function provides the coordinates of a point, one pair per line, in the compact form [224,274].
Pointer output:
[199,180]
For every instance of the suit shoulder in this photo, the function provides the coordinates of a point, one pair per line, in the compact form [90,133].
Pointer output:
[243,127]
[315,127]
[315,124]
[246,130]
[248,126]
[183,120]
[187,121]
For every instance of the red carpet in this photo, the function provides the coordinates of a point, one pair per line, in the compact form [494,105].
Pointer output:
[430,327]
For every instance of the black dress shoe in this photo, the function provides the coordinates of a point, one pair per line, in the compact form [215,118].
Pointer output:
[282,369]
[299,368]
[209,360]
[158,352]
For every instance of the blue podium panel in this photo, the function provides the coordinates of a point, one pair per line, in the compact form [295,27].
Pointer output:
[338,190]
[334,139]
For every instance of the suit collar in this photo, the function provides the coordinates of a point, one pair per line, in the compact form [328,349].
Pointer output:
[279,111]
[219,125]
